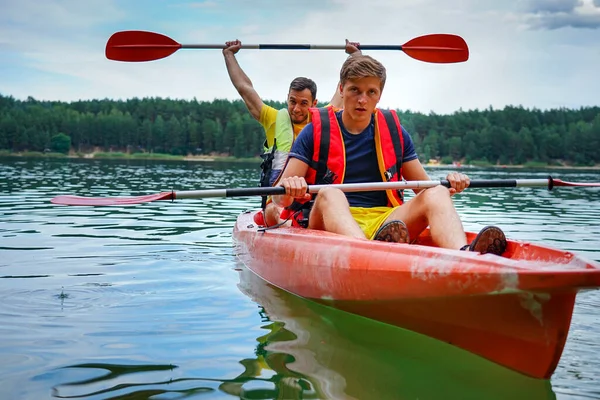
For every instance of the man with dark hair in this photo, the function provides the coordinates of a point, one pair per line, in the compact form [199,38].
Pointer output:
[281,126]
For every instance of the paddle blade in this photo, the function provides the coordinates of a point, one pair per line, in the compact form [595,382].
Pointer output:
[558,182]
[438,48]
[136,46]
[69,200]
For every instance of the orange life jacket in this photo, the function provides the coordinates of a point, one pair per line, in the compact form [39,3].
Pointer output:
[329,157]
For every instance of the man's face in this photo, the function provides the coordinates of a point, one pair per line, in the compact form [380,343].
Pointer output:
[360,97]
[298,104]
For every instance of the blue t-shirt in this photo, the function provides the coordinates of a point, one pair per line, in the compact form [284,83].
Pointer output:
[361,159]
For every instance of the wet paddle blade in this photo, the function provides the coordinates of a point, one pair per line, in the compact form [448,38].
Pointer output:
[69,200]
[558,182]
[137,46]
[438,48]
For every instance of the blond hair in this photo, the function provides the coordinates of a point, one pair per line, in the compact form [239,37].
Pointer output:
[360,66]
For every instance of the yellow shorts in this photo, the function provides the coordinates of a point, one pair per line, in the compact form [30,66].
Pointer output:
[370,219]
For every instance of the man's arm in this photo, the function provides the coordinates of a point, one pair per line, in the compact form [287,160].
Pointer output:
[295,170]
[240,80]
[292,179]
[413,171]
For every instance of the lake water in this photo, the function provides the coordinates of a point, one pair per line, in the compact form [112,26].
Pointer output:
[150,302]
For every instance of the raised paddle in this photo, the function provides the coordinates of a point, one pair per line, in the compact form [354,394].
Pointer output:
[269,191]
[137,46]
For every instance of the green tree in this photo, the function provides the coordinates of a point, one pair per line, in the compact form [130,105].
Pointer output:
[60,143]
[146,137]
[209,131]
[431,144]
[159,135]
[233,137]
[455,148]
[9,130]
[175,140]
[38,140]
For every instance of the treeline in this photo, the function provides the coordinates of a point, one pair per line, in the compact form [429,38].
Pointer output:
[513,135]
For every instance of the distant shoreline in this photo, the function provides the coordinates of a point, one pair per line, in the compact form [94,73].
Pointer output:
[222,158]
[510,166]
[135,156]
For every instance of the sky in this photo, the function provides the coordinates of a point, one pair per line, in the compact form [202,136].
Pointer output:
[535,53]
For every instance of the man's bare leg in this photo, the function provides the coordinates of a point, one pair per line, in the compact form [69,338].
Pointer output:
[331,212]
[272,213]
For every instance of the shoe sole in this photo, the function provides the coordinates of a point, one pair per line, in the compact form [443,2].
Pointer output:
[490,239]
[393,231]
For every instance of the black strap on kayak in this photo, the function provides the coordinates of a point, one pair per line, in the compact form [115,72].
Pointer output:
[266,228]
[300,215]
[266,169]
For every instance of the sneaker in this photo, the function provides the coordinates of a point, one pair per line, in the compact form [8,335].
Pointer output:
[393,231]
[490,239]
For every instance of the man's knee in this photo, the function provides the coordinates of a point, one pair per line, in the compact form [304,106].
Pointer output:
[272,213]
[437,196]
[330,194]
[330,197]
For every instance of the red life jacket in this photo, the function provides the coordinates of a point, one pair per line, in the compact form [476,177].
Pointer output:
[329,157]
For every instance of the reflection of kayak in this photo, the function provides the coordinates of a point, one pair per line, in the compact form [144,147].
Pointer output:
[344,356]
[514,310]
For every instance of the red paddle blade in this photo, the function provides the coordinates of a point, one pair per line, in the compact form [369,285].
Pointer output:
[135,46]
[558,182]
[69,200]
[437,48]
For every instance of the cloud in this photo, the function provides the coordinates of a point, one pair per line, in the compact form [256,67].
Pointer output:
[557,14]
[57,51]
[558,21]
[552,6]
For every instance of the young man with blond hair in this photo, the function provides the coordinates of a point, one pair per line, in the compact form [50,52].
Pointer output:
[360,144]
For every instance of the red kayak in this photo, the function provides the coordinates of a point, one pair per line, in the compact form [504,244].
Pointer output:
[514,310]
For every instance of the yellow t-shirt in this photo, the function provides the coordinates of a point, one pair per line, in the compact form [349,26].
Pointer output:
[268,117]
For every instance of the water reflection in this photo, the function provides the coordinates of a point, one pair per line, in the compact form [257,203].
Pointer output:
[344,356]
[314,352]
[284,387]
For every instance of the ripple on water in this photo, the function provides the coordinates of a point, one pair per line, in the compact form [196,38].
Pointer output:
[577,373]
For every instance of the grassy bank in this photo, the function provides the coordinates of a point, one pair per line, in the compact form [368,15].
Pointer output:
[124,156]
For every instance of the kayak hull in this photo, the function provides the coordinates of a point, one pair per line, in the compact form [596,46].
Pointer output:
[514,310]
[523,332]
